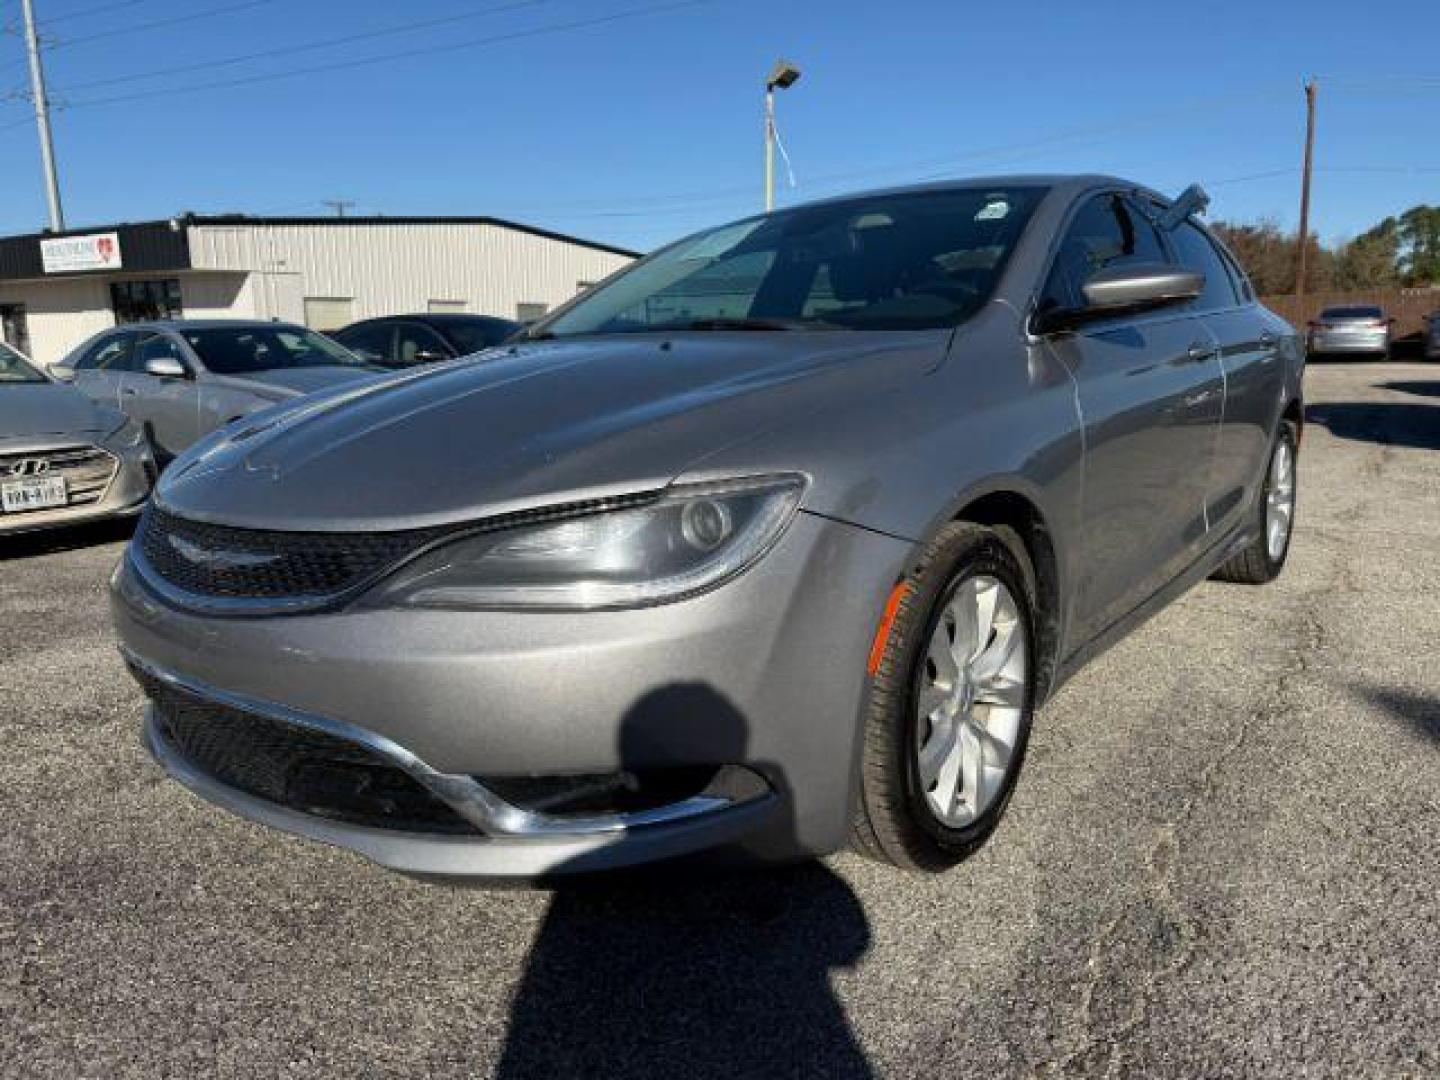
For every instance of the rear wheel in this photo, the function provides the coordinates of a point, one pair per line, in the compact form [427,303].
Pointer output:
[1263,560]
[951,704]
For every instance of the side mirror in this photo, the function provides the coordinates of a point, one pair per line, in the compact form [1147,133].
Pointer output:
[1130,288]
[430,356]
[63,372]
[166,367]
[1123,289]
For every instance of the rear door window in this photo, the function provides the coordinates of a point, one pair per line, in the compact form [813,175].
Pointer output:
[1195,251]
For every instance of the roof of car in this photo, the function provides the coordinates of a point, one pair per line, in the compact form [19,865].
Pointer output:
[1070,181]
[205,324]
[435,317]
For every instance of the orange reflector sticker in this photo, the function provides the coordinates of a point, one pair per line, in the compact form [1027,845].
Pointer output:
[887,620]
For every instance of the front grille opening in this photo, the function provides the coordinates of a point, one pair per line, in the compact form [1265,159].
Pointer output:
[252,564]
[87,470]
[300,769]
[624,792]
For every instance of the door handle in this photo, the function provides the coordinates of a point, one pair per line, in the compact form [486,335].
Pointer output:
[1200,351]
[128,392]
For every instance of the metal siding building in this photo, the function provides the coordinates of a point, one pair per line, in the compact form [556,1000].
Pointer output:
[322,272]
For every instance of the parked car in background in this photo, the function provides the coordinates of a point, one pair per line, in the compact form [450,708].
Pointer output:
[1432,336]
[1351,329]
[402,341]
[64,459]
[181,379]
[777,538]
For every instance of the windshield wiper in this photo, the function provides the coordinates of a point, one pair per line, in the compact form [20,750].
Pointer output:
[725,323]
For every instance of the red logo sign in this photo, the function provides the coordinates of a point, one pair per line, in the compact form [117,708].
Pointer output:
[105,248]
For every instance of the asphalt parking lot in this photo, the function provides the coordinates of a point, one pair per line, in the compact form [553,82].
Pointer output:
[1223,859]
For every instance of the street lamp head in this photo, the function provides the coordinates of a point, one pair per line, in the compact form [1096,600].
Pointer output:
[782,76]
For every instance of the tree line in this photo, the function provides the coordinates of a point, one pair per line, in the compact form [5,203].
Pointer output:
[1399,251]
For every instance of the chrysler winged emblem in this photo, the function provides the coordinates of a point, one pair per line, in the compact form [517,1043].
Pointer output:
[218,559]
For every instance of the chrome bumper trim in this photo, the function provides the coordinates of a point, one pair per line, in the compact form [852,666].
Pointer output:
[471,800]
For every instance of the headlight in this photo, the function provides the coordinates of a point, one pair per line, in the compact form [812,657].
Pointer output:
[690,539]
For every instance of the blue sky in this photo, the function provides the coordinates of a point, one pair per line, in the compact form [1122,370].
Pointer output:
[642,127]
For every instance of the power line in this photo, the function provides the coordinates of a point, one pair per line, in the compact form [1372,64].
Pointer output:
[66,16]
[310,46]
[155,24]
[342,65]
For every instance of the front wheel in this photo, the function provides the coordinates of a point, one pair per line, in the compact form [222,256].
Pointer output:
[951,703]
[1263,560]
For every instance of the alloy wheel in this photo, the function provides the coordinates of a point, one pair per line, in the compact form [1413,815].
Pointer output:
[970,700]
[1280,499]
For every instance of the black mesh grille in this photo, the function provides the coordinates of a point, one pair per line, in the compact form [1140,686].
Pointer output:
[250,564]
[296,767]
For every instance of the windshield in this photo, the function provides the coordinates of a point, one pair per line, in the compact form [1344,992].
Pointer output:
[14,368]
[239,350]
[1351,313]
[884,262]
[472,335]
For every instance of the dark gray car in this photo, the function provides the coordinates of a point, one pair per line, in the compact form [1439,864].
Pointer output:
[182,379]
[774,542]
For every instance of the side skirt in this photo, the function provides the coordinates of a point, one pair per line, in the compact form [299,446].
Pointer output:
[1198,571]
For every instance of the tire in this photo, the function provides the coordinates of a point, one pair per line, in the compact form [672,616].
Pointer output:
[1257,565]
[894,821]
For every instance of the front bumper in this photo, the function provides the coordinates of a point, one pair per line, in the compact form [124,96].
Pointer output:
[123,493]
[765,675]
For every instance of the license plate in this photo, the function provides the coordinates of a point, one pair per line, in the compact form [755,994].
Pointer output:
[33,493]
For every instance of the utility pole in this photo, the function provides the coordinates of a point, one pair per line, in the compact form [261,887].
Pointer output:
[339,205]
[1304,254]
[42,118]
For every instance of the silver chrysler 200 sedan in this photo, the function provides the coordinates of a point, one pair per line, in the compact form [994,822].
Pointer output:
[773,542]
[63,459]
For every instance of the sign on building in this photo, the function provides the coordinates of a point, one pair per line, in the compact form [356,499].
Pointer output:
[65,254]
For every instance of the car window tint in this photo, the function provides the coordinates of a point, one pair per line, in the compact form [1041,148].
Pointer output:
[1107,232]
[1194,251]
[915,260]
[416,344]
[369,341]
[112,351]
[472,335]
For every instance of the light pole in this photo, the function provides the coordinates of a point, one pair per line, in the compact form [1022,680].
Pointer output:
[782,76]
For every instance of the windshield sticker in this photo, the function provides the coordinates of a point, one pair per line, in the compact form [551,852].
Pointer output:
[994,210]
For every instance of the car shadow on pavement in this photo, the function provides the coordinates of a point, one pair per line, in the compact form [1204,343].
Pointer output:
[1392,423]
[1420,711]
[1408,386]
[688,972]
[66,538]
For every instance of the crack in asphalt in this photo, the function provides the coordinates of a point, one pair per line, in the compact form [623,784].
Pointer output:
[1101,1049]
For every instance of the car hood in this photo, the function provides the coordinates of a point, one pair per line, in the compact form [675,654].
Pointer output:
[534,424]
[43,409]
[279,384]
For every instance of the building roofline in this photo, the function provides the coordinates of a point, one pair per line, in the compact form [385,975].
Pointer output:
[183,220]
[400,219]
